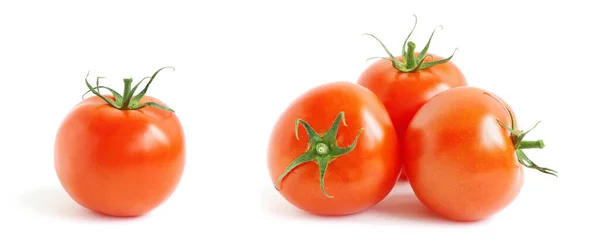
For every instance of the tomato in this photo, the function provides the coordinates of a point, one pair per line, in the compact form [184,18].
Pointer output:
[463,154]
[120,155]
[404,83]
[334,151]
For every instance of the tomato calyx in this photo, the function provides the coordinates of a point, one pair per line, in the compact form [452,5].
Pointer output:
[322,149]
[520,144]
[126,101]
[412,63]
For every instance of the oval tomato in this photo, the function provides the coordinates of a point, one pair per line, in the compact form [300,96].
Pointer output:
[404,83]
[120,155]
[464,156]
[334,150]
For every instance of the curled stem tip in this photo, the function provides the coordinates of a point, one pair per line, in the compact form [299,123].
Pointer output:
[377,57]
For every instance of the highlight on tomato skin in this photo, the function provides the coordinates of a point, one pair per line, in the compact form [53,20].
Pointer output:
[120,154]
[333,151]
[406,81]
[465,155]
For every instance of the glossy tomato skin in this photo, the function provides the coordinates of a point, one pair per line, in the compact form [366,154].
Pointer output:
[460,162]
[404,93]
[357,180]
[119,163]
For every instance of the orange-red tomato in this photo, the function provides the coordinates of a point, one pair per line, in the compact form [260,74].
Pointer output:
[119,162]
[404,85]
[461,158]
[350,160]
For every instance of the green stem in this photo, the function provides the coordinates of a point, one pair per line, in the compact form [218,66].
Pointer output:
[411,63]
[126,93]
[127,101]
[322,150]
[539,144]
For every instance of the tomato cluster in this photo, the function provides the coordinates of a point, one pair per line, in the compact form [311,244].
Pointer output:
[337,149]
[340,147]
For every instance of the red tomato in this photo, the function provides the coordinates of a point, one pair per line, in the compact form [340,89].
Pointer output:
[119,157]
[404,83]
[464,156]
[339,145]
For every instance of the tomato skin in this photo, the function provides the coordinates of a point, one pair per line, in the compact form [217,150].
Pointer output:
[404,93]
[460,162]
[119,162]
[357,180]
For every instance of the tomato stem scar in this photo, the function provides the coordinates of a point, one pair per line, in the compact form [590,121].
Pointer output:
[412,63]
[518,142]
[323,149]
[126,101]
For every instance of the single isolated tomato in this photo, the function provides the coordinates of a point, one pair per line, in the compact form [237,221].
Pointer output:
[404,83]
[120,155]
[334,150]
[463,154]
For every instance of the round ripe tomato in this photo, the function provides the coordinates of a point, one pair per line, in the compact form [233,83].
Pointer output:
[334,150]
[120,159]
[464,155]
[404,83]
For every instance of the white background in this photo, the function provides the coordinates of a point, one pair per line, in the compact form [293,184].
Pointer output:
[238,65]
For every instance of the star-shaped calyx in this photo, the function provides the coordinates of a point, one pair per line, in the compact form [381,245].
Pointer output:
[520,144]
[322,149]
[411,62]
[127,100]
